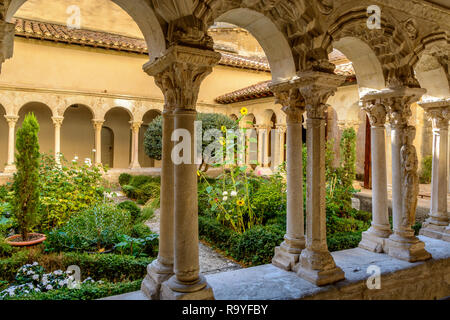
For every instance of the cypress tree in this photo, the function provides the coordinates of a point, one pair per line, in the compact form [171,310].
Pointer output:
[26,180]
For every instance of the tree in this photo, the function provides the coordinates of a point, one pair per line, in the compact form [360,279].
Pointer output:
[153,136]
[26,180]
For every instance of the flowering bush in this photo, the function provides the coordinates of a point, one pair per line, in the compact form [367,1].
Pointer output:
[66,189]
[32,278]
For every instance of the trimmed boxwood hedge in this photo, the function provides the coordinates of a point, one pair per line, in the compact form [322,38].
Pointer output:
[106,267]
[256,246]
[86,292]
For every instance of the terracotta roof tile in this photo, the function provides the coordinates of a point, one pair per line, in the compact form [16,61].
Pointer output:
[261,89]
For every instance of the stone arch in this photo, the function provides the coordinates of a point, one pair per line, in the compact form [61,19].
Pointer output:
[141,12]
[127,109]
[391,45]
[265,117]
[433,65]
[77,132]
[118,120]
[44,116]
[271,39]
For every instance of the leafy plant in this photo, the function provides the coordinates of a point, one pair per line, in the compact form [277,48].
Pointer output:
[132,208]
[95,229]
[138,247]
[426,172]
[26,180]
[124,178]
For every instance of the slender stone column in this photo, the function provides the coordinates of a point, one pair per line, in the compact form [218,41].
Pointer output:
[135,126]
[161,269]
[98,125]
[374,238]
[12,121]
[282,141]
[182,70]
[57,121]
[316,263]
[260,130]
[438,112]
[288,253]
[263,150]
[403,244]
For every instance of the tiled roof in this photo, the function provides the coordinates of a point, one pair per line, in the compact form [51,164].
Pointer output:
[61,33]
[261,89]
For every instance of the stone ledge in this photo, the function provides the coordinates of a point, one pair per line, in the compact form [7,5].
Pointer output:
[399,279]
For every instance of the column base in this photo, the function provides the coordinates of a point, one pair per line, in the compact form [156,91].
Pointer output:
[433,231]
[136,166]
[408,249]
[319,268]
[10,169]
[374,241]
[286,255]
[176,290]
[157,273]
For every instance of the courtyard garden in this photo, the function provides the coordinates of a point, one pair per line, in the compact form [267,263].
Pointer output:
[87,246]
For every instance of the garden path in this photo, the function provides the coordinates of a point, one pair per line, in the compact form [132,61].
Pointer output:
[210,261]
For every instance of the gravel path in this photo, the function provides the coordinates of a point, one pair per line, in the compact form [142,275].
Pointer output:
[210,260]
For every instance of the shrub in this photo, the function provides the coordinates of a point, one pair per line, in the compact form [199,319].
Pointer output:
[107,267]
[141,230]
[87,291]
[426,172]
[94,229]
[5,249]
[256,246]
[343,241]
[130,207]
[143,188]
[26,180]
[153,136]
[270,199]
[67,189]
[124,179]
[147,214]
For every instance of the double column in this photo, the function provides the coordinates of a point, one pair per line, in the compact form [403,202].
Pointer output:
[374,238]
[98,125]
[179,74]
[288,253]
[12,121]
[263,149]
[403,244]
[437,225]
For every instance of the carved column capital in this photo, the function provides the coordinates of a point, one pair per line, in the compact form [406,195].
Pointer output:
[316,88]
[136,125]
[12,120]
[376,113]
[281,128]
[57,121]
[397,102]
[288,95]
[98,124]
[438,112]
[180,72]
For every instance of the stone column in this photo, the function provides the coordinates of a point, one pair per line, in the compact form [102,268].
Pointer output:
[288,253]
[135,126]
[316,263]
[182,70]
[161,269]
[98,125]
[57,121]
[438,112]
[403,244]
[12,121]
[374,238]
[263,150]
[260,131]
[282,141]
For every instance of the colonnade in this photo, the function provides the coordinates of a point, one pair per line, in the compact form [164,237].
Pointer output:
[58,123]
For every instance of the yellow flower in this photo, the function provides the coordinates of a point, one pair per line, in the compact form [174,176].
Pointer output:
[224,129]
[240,202]
[244,111]
[101,250]
[198,173]
[222,141]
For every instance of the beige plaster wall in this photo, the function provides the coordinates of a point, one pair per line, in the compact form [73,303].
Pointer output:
[117,120]
[3,139]
[101,15]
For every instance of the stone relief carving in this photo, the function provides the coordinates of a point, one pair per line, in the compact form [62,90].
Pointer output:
[409,177]
[376,113]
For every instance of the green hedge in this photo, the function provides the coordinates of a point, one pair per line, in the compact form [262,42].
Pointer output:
[256,246]
[107,267]
[87,291]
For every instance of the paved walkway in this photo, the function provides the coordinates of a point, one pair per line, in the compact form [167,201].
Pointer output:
[210,261]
